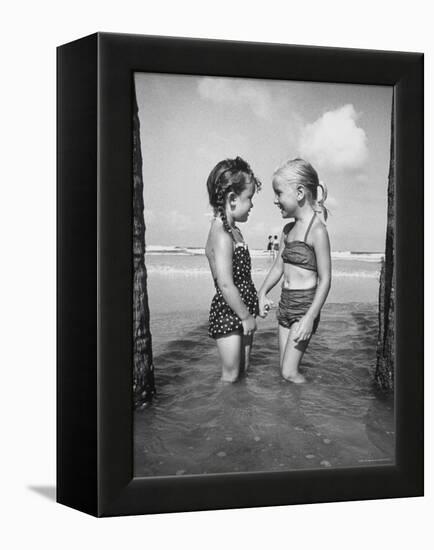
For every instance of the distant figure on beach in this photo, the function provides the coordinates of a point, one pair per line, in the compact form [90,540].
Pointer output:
[303,260]
[276,245]
[231,186]
[270,245]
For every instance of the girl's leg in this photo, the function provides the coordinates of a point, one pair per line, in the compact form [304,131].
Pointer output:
[283,338]
[246,348]
[229,348]
[291,354]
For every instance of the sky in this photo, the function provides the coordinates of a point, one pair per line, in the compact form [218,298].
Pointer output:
[189,123]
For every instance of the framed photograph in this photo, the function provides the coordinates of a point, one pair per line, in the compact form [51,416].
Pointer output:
[240,274]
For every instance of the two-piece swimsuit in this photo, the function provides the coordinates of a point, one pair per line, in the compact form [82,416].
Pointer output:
[222,319]
[294,303]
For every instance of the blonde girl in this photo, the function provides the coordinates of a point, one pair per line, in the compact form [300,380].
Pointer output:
[303,260]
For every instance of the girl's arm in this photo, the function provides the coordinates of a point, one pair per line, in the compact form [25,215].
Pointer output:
[222,248]
[275,273]
[321,246]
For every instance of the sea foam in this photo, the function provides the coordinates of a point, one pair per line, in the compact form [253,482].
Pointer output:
[159,250]
[172,271]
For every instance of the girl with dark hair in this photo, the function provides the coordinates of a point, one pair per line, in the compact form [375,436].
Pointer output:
[303,260]
[231,186]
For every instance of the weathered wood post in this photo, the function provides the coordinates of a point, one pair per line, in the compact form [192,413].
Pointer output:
[385,369]
[143,375]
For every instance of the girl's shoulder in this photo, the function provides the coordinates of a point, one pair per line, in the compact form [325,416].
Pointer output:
[318,232]
[319,226]
[218,236]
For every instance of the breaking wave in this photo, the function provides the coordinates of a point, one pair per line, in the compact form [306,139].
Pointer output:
[171,271]
[157,250]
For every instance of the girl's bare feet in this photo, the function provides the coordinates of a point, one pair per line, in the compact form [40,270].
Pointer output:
[295,379]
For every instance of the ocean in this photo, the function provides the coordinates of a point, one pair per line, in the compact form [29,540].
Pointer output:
[184,275]
[197,425]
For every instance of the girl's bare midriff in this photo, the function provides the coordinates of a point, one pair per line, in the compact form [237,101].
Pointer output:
[298,278]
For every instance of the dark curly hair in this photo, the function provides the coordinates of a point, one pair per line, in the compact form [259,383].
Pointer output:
[229,175]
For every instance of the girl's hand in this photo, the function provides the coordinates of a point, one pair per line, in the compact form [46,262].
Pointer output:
[265,304]
[304,329]
[249,325]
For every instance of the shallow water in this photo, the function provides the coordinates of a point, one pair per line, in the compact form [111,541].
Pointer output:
[199,425]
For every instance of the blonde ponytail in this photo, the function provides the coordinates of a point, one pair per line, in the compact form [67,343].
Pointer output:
[320,202]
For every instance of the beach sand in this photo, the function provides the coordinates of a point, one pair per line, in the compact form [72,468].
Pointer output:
[198,425]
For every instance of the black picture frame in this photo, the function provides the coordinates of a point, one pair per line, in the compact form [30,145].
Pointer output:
[95,273]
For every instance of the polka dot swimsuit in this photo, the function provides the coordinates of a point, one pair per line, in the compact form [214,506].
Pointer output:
[222,319]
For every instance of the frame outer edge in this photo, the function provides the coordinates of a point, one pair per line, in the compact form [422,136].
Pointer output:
[76,276]
[410,274]
[118,493]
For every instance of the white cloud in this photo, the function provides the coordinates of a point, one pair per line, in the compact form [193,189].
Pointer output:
[334,141]
[235,92]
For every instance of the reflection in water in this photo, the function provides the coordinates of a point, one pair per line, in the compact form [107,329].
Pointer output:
[199,425]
